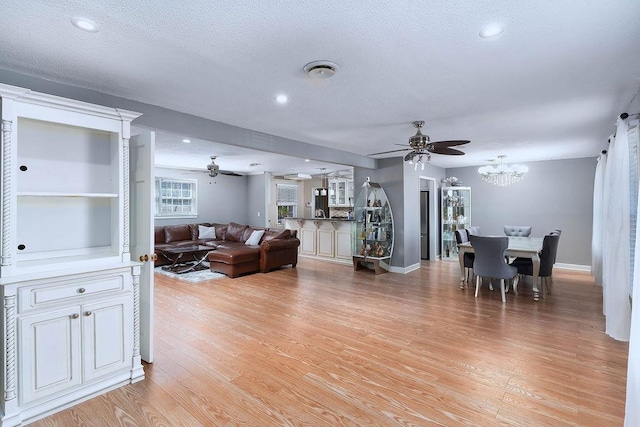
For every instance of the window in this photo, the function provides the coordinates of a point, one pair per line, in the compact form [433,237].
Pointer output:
[287,201]
[176,198]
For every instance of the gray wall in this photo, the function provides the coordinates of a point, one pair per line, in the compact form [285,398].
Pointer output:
[256,206]
[553,194]
[390,177]
[220,199]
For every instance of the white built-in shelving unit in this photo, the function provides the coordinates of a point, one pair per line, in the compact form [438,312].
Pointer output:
[70,292]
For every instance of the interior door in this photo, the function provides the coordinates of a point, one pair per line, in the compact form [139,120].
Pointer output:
[142,190]
[425,239]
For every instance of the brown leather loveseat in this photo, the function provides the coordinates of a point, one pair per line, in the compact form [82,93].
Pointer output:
[232,251]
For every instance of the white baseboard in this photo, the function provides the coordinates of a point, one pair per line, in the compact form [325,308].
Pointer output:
[337,260]
[575,267]
[416,266]
[404,270]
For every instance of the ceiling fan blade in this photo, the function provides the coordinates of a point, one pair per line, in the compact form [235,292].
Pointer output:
[451,143]
[446,150]
[229,173]
[387,152]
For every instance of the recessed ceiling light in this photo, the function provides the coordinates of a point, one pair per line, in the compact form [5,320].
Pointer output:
[282,99]
[491,30]
[186,140]
[85,24]
[321,69]
[307,160]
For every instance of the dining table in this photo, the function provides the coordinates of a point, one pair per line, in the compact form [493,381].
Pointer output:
[523,247]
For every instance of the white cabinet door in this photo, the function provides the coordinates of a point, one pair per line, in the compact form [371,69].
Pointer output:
[308,241]
[343,244]
[49,360]
[333,193]
[106,337]
[325,243]
[342,193]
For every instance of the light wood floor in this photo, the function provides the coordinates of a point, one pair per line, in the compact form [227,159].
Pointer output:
[322,345]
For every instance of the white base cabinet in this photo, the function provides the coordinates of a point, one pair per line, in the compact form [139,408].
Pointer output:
[69,337]
[96,334]
[323,238]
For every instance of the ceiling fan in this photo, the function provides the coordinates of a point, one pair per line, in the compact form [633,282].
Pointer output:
[420,145]
[214,170]
[343,174]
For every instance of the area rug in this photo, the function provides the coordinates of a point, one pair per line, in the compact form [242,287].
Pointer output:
[192,276]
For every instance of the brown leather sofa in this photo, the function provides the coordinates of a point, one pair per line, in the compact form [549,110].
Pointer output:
[230,254]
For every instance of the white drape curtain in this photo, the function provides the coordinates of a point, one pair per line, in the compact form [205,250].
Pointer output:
[632,410]
[616,240]
[598,215]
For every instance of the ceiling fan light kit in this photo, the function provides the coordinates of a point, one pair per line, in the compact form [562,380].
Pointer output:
[213,168]
[502,175]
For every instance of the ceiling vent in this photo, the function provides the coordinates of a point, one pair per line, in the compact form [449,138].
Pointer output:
[321,69]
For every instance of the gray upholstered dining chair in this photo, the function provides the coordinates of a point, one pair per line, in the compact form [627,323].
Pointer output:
[547,259]
[472,231]
[558,232]
[517,230]
[469,257]
[490,261]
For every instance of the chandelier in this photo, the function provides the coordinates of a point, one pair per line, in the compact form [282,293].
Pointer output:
[502,175]
[418,157]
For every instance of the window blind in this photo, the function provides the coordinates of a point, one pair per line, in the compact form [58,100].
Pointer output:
[287,194]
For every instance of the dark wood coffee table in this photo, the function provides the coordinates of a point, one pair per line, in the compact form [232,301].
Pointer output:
[186,258]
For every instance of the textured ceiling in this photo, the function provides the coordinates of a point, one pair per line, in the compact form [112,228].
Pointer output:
[550,86]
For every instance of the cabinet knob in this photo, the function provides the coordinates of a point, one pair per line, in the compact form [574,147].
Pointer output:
[87,313]
[75,315]
[82,290]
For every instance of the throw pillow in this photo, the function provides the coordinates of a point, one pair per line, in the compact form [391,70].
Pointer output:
[206,232]
[255,237]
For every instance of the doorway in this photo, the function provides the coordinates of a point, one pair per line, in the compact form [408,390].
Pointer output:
[424,224]
[429,227]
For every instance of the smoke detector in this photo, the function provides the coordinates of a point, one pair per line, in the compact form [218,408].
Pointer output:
[321,69]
